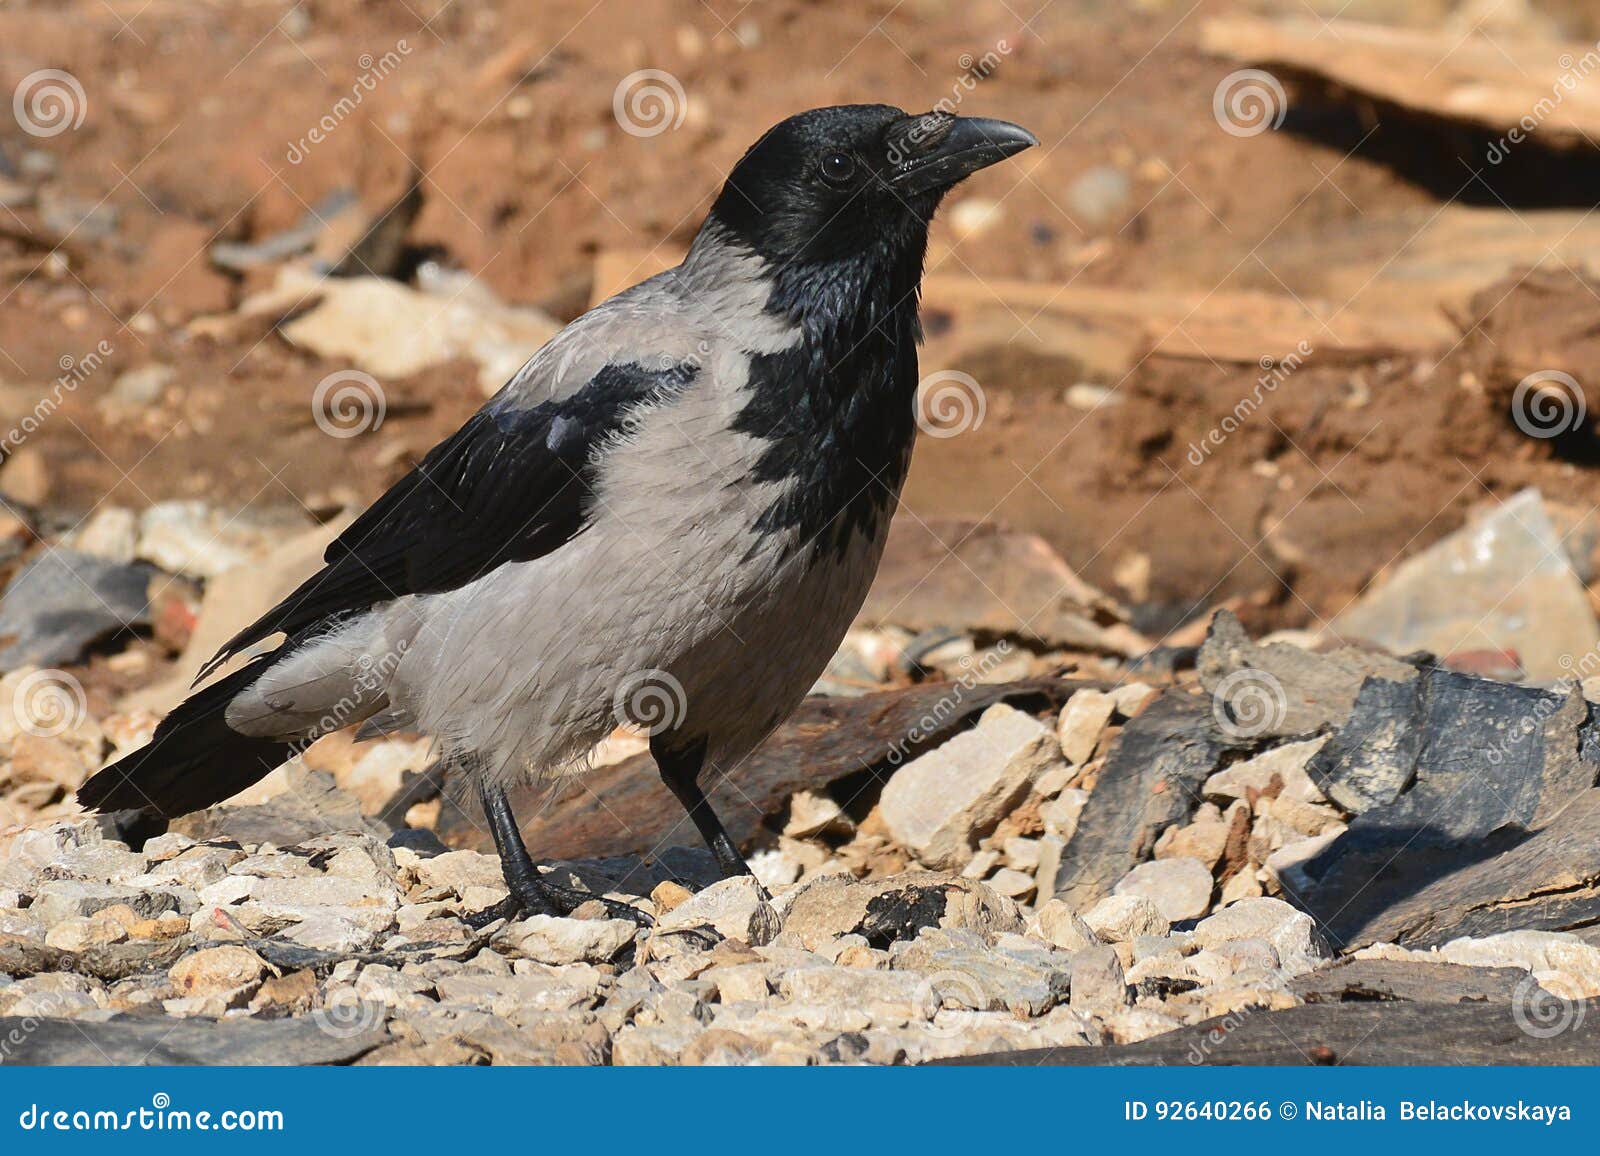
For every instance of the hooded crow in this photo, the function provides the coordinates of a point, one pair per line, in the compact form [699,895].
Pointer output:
[667,518]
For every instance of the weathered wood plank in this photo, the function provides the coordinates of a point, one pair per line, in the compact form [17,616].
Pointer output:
[1344,1034]
[624,809]
[157,1041]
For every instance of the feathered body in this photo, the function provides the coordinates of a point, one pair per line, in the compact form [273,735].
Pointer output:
[669,516]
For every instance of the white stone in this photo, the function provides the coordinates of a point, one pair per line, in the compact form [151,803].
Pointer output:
[1288,762]
[1099,986]
[82,933]
[1059,925]
[111,532]
[1061,814]
[1291,932]
[193,538]
[1287,863]
[735,908]
[1541,952]
[1022,854]
[392,331]
[810,814]
[1123,918]
[455,870]
[1130,697]
[1012,883]
[553,940]
[939,803]
[1083,720]
[1180,888]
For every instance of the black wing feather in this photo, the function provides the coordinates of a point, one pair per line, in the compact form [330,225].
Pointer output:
[509,486]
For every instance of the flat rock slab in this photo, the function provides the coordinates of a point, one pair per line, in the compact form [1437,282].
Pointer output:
[311,806]
[63,601]
[1548,881]
[1366,980]
[1429,73]
[1473,799]
[625,810]
[1502,582]
[155,1042]
[1340,1033]
[987,578]
[1150,781]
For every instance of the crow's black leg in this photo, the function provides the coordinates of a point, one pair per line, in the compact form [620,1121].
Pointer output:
[680,771]
[530,893]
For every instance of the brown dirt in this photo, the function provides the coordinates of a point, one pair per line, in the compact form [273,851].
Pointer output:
[506,105]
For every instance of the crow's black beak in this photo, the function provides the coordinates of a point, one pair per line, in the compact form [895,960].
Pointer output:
[935,150]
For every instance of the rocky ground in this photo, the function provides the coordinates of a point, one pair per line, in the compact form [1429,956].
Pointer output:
[1315,379]
[915,934]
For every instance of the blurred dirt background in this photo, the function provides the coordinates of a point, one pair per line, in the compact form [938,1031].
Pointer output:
[1284,333]
[1115,294]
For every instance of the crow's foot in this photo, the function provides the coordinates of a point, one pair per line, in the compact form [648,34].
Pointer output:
[534,896]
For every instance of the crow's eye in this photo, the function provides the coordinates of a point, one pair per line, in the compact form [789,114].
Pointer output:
[838,168]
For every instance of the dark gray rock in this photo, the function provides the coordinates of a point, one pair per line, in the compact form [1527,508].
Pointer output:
[150,1041]
[1150,781]
[63,602]
[1343,1034]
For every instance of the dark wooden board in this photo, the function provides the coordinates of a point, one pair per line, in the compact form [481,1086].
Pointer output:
[157,1041]
[1345,1034]
[624,809]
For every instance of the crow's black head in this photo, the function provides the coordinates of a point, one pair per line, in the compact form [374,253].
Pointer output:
[835,183]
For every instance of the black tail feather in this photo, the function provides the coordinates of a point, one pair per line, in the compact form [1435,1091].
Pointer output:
[195,759]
